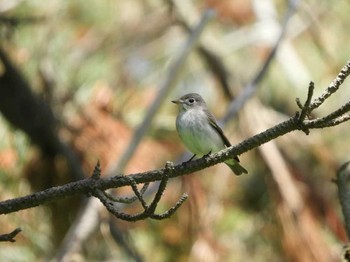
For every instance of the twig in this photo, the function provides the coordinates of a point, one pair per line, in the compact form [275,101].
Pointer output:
[10,236]
[171,210]
[305,108]
[137,193]
[96,174]
[128,200]
[148,209]
[337,113]
[332,88]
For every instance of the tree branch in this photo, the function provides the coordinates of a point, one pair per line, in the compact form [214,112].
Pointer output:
[10,236]
[96,185]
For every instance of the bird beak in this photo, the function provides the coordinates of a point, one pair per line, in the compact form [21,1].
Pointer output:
[177,101]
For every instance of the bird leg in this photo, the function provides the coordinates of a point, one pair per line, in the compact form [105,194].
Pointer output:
[190,159]
[207,154]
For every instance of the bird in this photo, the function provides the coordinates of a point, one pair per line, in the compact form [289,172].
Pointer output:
[199,131]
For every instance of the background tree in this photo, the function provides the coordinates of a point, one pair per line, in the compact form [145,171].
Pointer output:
[83,82]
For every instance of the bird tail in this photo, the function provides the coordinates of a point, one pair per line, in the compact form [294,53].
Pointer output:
[236,167]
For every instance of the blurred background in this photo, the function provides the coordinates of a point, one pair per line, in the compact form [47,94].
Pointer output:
[77,79]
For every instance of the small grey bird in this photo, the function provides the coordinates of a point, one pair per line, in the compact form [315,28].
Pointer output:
[199,131]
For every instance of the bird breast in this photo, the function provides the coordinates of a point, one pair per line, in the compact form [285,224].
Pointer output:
[197,134]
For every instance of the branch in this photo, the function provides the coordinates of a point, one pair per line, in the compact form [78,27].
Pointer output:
[10,236]
[95,184]
[28,112]
[333,87]
[149,210]
[251,88]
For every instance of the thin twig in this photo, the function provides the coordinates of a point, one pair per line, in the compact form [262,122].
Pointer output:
[337,113]
[333,87]
[96,174]
[127,200]
[159,194]
[138,194]
[172,210]
[148,209]
[10,236]
[305,110]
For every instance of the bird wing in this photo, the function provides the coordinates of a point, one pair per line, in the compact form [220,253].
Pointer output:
[218,129]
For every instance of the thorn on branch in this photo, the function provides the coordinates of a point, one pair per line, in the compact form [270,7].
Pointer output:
[96,174]
[297,100]
[10,236]
[305,109]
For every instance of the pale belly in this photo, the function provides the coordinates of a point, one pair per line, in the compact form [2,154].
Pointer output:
[198,136]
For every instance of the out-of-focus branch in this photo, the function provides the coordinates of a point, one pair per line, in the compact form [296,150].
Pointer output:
[23,109]
[343,183]
[165,87]
[252,87]
[15,21]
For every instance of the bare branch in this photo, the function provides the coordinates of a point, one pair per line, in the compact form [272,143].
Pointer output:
[10,236]
[138,194]
[96,186]
[149,210]
[128,200]
[333,87]
[305,109]
[337,113]
[172,210]
[252,86]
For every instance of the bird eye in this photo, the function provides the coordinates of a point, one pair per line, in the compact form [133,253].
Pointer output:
[191,100]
